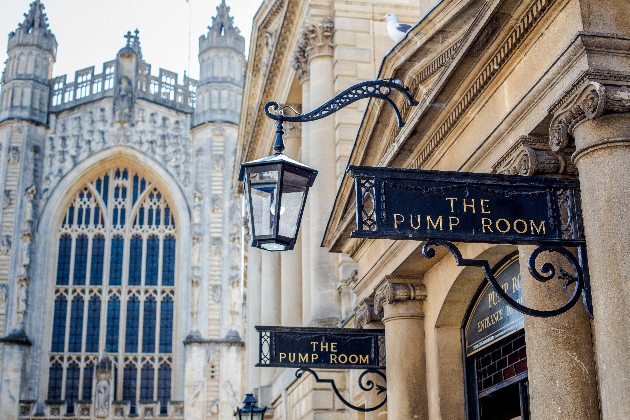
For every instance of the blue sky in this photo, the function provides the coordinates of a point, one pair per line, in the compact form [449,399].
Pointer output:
[90,32]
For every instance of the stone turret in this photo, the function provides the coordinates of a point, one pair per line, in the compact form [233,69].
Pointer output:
[222,71]
[32,49]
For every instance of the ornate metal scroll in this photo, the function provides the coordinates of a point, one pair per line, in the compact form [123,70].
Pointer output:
[368,386]
[380,89]
[546,272]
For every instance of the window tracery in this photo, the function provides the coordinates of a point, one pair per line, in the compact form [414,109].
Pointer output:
[114,292]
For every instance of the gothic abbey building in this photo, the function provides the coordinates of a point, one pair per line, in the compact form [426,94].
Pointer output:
[120,240]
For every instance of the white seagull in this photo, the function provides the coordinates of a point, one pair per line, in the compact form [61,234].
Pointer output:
[395,29]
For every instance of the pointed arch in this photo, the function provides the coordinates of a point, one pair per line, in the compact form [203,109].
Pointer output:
[112,302]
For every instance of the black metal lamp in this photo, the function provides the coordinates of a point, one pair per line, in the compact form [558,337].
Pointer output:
[275,193]
[276,187]
[250,411]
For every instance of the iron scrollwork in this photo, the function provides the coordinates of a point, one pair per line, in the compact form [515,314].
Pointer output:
[546,272]
[380,89]
[368,386]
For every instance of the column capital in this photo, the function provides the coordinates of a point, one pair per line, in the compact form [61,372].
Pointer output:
[391,292]
[364,313]
[588,100]
[531,155]
[315,40]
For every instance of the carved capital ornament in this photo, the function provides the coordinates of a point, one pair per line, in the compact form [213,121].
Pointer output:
[590,102]
[364,313]
[390,292]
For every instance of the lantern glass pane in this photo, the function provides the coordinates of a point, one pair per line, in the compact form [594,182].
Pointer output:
[293,189]
[263,186]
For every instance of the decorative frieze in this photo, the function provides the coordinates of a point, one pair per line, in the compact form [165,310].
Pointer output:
[591,101]
[532,156]
[391,292]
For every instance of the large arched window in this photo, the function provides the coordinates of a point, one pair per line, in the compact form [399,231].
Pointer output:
[114,291]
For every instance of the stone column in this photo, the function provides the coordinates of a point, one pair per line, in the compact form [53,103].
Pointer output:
[366,318]
[560,358]
[403,316]
[598,118]
[254,256]
[291,261]
[325,302]
[270,299]
[300,64]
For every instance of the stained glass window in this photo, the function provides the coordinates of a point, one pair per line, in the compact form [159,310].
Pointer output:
[114,292]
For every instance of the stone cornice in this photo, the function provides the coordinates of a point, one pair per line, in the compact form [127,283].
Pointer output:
[588,102]
[391,292]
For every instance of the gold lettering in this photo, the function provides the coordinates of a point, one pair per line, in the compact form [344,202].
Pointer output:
[539,228]
[486,223]
[363,359]
[396,221]
[333,358]
[483,206]
[314,357]
[507,229]
[333,347]
[282,356]
[323,347]
[452,200]
[314,343]
[356,359]
[411,221]
[524,226]
[516,283]
[505,287]
[493,299]
[292,357]
[303,358]
[452,219]
[345,358]
[435,225]
[472,205]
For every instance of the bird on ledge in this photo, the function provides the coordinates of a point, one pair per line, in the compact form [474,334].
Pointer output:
[396,30]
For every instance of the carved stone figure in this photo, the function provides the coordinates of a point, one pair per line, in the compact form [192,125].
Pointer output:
[14,155]
[3,298]
[102,394]
[29,200]
[5,244]
[21,301]
[7,199]
[196,257]
[27,238]
[123,102]
[216,293]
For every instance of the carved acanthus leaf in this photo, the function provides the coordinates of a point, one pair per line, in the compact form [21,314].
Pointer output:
[590,102]
[390,292]
[533,156]
[364,313]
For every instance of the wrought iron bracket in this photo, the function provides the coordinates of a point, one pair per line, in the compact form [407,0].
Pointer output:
[380,89]
[369,385]
[546,272]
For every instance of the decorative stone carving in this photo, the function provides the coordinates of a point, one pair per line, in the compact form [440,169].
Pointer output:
[3,298]
[123,102]
[102,394]
[194,306]
[589,102]
[390,292]
[7,201]
[215,246]
[299,60]
[26,239]
[196,255]
[5,244]
[216,293]
[22,288]
[364,313]
[196,391]
[28,209]
[197,210]
[229,389]
[14,155]
[532,156]
[320,38]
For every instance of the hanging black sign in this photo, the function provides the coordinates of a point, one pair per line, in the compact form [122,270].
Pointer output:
[491,318]
[322,348]
[466,207]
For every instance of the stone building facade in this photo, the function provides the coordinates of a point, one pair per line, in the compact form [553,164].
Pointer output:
[537,87]
[120,282]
